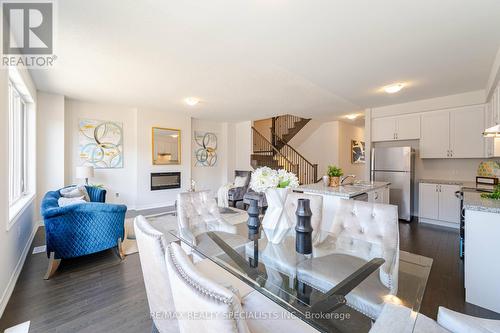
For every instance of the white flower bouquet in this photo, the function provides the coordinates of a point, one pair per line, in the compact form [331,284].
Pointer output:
[265,177]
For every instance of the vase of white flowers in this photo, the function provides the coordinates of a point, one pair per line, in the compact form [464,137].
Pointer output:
[276,185]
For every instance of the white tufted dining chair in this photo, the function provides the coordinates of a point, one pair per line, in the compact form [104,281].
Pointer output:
[394,318]
[360,232]
[152,248]
[151,244]
[207,306]
[197,213]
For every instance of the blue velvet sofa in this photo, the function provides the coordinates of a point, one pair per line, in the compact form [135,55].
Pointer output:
[81,229]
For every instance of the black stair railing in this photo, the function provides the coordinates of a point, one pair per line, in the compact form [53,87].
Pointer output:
[307,172]
[283,124]
[267,155]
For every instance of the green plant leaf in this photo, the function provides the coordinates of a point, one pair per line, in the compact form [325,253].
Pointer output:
[284,184]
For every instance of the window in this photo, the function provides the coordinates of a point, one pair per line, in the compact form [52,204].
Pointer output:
[17,146]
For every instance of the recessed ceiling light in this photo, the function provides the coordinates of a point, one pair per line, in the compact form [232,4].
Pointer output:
[393,88]
[192,101]
[352,116]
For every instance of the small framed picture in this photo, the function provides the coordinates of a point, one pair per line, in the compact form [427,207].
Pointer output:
[357,152]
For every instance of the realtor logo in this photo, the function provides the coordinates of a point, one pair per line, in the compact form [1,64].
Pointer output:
[27,28]
[28,33]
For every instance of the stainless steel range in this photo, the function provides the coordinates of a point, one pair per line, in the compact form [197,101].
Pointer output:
[460,194]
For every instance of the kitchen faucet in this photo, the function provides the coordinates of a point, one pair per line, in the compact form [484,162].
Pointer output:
[345,177]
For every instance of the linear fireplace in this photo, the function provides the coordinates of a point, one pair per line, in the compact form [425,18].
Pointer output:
[165,180]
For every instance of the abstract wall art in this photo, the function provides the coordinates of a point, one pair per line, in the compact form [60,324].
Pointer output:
[357,152]
[100,143]
[205,149]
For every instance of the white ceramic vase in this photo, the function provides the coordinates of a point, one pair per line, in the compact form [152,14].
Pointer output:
[276,223]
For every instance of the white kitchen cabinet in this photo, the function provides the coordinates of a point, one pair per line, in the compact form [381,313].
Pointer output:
[428,201]
[408,127]
[492,115]
[384,129]
[449,204]
[466,132]
[396,128]
[379,195]
[438,204]
[435,135]
[453,133]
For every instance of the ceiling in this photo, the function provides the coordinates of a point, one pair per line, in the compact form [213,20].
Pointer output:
[254,59]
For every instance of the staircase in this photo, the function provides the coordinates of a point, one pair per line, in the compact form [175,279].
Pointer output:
[286,127]
[278,154]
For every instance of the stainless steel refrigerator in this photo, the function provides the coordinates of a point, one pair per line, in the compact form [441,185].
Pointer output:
[396,165]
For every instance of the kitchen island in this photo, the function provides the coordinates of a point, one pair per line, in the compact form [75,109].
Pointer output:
[482,250]
[350,191]
[376,192]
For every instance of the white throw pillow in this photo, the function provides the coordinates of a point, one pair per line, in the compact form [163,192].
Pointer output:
[62,201]
[240,181]
[75,192]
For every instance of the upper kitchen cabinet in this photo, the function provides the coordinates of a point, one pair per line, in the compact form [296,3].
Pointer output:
[396,128]
[467,126]
[453,133]
[492,146]
[435,135]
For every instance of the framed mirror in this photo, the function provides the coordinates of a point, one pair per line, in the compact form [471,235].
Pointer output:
[166,146]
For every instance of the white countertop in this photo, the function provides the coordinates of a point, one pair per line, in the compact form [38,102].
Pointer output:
[473,201]
[344,191]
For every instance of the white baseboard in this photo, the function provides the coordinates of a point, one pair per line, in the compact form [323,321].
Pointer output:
[439,223]
[154,206]
[19,266]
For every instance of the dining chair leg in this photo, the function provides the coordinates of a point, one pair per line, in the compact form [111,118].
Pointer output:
[53,265]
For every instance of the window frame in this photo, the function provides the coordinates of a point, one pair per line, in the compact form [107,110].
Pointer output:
[18,140]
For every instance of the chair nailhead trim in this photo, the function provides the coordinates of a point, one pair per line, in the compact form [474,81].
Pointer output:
[194,284]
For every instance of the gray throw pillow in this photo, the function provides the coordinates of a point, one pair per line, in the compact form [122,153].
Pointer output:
[75,192]
[62,201]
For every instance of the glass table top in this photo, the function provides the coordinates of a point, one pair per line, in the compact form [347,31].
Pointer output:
[340,287]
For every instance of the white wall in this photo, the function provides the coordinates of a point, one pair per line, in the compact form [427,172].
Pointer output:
[322,145]
[15,242]
[146,120]
[348,132]
[116,181]
[431,104]
[242,145]
[210,178]
[263,126]
[50,144]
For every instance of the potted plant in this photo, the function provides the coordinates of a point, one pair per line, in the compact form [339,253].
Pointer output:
[334,173]
[276,184]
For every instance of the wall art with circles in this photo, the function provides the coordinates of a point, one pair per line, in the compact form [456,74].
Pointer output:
[100,143]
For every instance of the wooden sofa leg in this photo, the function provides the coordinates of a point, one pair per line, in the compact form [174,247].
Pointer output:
[119,250]
[53,265]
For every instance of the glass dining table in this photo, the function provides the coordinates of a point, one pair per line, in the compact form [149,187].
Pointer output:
[339,287]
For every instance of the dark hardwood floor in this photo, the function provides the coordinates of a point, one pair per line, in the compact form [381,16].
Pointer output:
[446,281]
[98,293]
